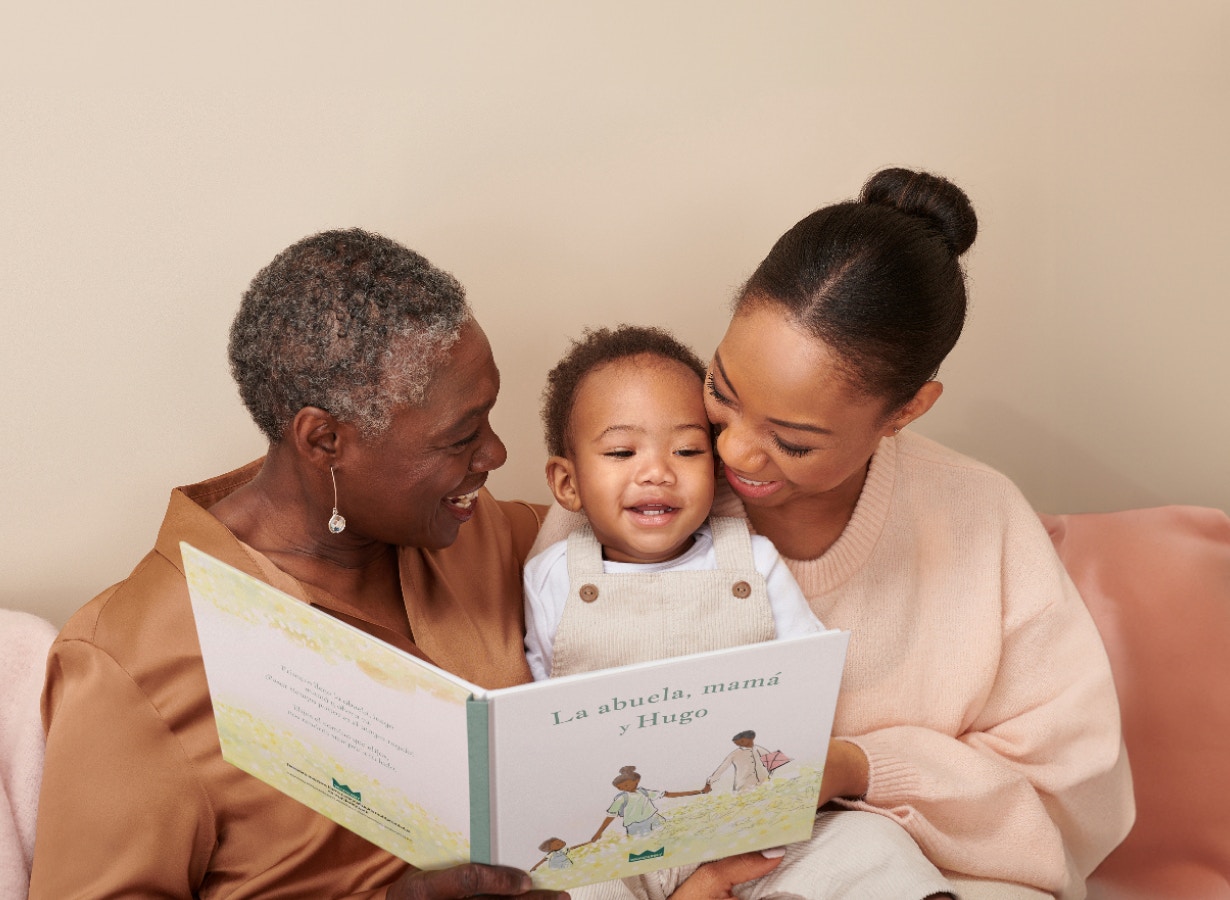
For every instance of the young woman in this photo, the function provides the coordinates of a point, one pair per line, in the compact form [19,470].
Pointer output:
[977,711]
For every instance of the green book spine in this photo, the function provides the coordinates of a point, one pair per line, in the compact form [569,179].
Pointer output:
[480,780]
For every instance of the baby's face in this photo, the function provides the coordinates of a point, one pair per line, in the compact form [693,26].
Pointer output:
[642,457]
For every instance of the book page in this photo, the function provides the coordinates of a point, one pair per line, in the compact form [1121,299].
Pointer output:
[354,728]
[559,745]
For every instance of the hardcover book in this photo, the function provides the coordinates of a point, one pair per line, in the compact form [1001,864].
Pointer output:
[579,779]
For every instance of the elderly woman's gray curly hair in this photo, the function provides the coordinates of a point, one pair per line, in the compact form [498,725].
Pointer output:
[348,321]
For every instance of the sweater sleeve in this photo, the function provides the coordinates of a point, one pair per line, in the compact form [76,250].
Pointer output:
[1036,788]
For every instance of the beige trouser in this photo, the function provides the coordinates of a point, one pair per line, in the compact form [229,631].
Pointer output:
[851,854]
[967,888]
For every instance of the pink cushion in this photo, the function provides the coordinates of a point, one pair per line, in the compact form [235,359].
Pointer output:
[1157,582]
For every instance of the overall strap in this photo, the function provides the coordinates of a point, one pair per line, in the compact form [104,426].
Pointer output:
[584,554]
[732,542]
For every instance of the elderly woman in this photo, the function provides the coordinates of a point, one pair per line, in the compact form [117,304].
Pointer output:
[364,368]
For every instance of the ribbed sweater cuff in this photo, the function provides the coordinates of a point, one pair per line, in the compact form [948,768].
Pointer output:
[891,781]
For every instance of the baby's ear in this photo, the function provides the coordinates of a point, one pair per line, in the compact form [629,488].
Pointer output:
[561,478]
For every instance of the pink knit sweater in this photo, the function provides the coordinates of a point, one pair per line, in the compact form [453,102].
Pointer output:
[976,682]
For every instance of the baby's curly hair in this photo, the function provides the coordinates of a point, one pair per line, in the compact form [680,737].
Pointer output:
[598,346]
[349,321]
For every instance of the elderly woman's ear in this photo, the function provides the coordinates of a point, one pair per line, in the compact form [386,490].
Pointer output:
[317,436]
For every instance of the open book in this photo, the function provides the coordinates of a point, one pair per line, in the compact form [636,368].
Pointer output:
[439,771]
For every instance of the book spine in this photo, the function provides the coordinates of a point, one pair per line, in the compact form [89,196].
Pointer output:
[479,734]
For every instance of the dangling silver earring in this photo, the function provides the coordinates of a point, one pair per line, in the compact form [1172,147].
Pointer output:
[337,522]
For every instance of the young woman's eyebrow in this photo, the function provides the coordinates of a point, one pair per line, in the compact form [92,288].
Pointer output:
[795,426]
[801,426]
[717,361]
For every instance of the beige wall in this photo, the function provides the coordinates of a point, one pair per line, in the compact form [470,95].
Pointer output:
[581,164]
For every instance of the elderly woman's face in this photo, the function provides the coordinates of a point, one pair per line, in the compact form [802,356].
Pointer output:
[414,484]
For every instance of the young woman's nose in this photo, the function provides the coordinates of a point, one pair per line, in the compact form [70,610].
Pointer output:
[738,450]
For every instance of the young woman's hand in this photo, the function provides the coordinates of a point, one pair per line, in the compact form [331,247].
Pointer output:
[714,880]
[845,772]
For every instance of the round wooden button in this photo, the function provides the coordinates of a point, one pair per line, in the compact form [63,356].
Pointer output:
[741,589]
[589,593]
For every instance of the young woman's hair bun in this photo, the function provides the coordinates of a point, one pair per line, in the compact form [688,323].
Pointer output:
[936,199]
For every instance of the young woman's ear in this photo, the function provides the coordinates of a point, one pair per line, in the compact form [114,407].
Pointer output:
[923,399]
[561,478]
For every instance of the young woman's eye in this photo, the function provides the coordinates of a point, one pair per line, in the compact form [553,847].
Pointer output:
[711,387]
[790,449]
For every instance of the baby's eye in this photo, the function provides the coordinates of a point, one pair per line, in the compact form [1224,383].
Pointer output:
[619,454]
[691,451]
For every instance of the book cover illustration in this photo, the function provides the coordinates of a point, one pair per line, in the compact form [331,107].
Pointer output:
[578,779]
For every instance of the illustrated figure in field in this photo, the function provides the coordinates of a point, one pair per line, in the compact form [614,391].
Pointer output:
[747,759]
[634,804]
[557,854]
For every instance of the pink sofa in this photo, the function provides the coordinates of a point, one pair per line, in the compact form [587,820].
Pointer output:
[1157,582]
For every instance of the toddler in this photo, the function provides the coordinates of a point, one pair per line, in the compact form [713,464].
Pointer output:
[651,575]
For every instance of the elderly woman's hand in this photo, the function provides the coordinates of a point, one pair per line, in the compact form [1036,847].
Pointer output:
[469,880]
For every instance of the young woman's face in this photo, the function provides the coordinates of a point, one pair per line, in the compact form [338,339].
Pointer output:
[641,463]
[790,426]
